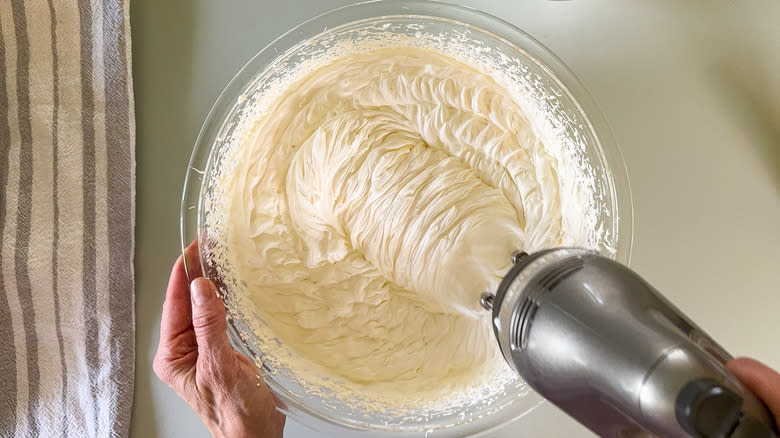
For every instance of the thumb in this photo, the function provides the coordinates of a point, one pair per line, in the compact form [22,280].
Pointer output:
[208,320]
[760,379]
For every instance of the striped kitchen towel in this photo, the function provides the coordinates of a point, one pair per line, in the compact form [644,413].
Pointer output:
[67,177]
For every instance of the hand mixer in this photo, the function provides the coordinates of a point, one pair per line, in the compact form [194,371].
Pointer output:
[599,342]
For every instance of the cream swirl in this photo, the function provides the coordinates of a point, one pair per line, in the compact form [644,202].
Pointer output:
[374,203]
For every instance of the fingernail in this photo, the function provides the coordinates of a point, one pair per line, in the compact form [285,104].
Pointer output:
[201,292]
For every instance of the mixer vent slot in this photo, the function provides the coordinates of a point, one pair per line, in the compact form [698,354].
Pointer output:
[561,271]
[521,323]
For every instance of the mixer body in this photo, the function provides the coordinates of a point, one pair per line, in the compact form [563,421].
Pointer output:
[601,343]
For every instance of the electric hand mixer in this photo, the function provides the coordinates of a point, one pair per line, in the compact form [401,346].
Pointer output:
[599,342]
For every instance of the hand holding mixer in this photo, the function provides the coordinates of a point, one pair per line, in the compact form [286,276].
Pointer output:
[602,344]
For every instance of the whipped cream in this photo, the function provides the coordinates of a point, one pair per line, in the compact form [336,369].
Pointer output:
[375,201]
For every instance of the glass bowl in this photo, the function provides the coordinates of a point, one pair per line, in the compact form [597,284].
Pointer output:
[550,86]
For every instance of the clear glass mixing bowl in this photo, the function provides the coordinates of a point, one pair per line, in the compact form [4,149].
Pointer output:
[543,77]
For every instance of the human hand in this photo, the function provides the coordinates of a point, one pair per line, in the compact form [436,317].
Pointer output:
[761,380]
[196,360]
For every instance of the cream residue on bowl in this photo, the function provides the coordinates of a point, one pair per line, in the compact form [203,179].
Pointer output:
[368,200]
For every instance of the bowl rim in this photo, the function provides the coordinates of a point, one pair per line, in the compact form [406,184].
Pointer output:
[535,51]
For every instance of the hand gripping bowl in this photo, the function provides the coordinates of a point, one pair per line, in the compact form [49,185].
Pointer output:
[466,33]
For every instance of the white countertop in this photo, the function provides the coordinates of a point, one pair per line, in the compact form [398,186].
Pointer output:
[691,90]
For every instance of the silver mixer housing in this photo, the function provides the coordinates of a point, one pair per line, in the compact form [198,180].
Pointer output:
[594,338]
